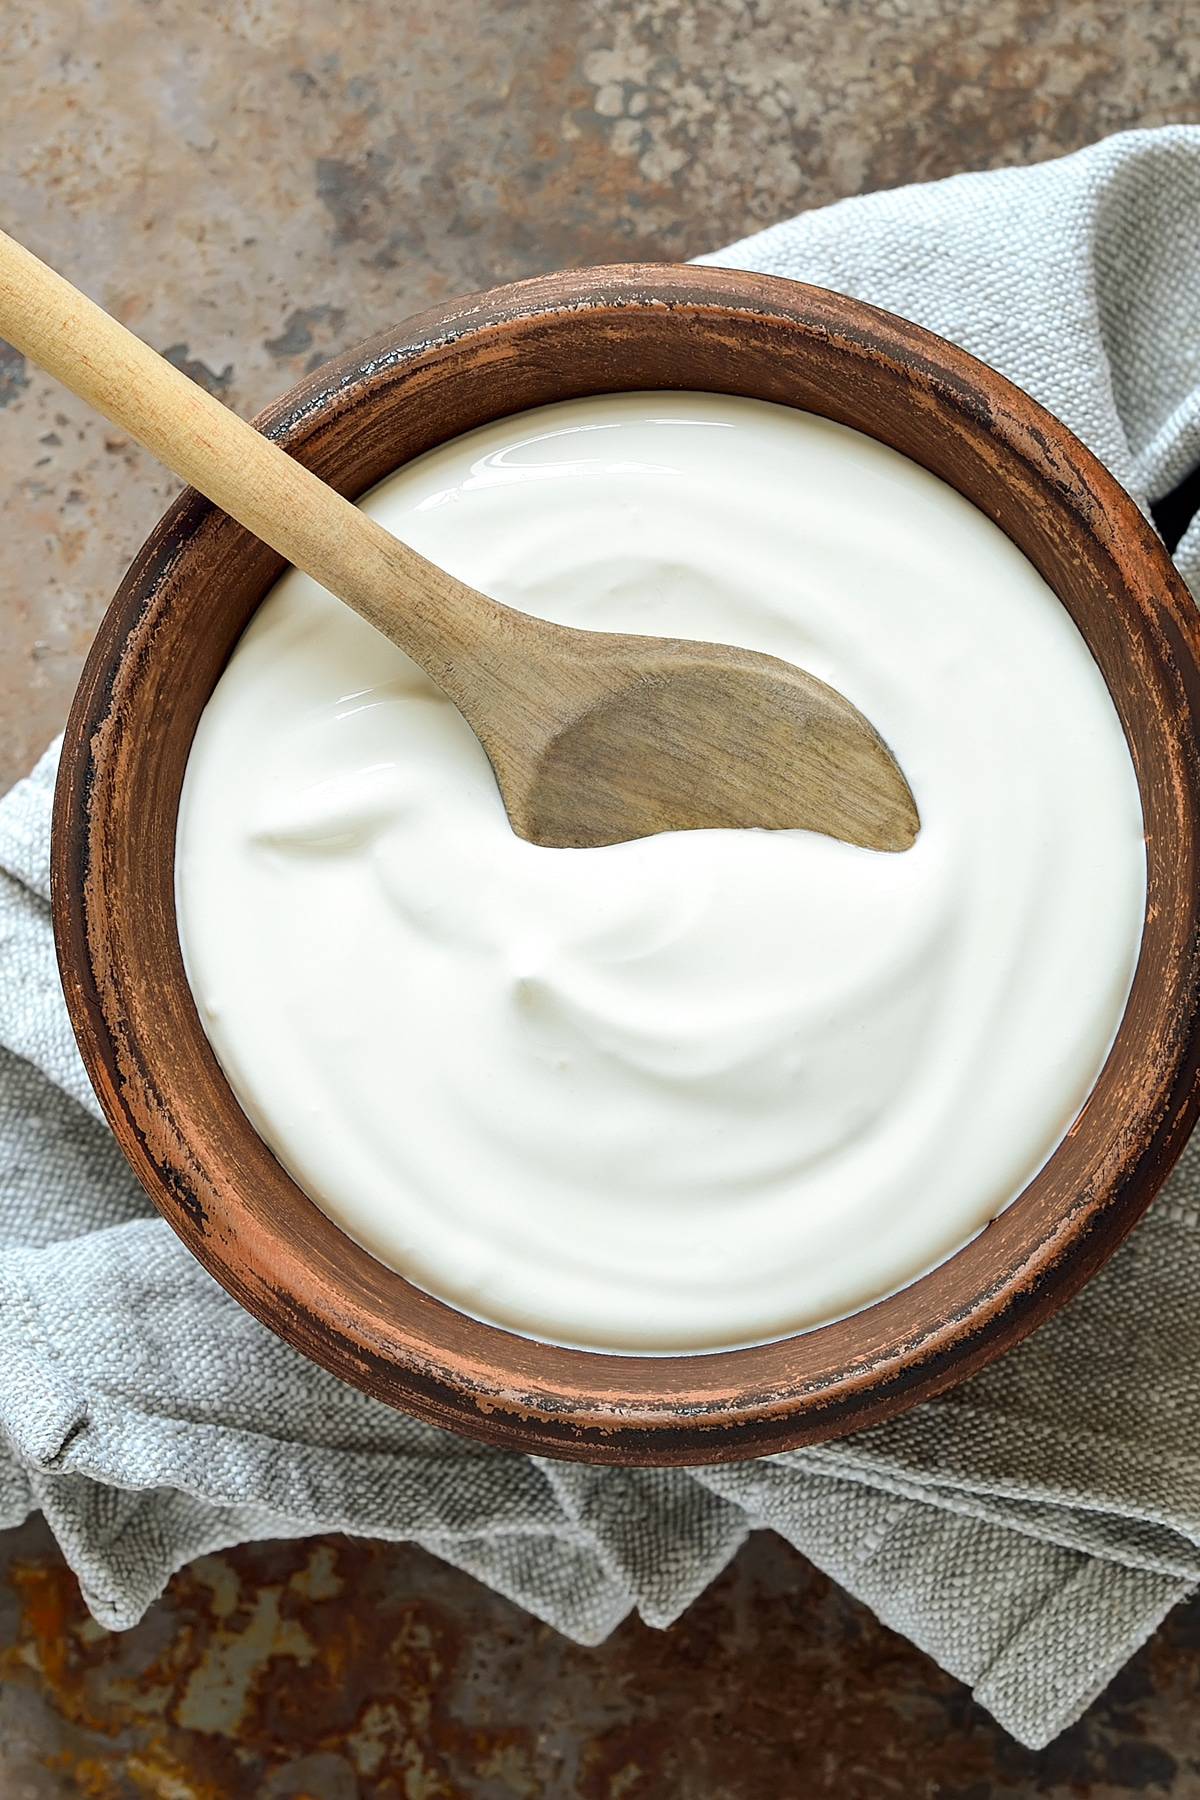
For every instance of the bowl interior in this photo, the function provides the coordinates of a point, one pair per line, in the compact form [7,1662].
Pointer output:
[166,639]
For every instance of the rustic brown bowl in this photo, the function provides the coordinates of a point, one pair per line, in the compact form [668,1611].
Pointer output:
[165,640]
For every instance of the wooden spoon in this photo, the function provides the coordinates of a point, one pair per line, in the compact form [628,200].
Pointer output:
[594,736]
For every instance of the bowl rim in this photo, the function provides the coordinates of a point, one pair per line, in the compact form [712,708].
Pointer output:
[721,1405]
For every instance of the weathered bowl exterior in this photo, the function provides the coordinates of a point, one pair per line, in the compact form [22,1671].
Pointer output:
[166,638]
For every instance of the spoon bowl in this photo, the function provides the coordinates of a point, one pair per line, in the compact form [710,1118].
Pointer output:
[667,734]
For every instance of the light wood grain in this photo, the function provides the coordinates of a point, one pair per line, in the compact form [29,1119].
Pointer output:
[594,736]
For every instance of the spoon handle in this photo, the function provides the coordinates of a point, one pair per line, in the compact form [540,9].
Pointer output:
[437,619]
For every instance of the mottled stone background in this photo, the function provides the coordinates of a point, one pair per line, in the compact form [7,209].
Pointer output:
[253,186]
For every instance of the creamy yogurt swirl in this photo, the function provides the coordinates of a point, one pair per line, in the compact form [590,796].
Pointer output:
[706,1088]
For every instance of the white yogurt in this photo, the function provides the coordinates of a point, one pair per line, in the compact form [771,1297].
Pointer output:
[707,1088]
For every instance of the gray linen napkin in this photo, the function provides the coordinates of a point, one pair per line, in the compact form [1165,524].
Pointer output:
[1028,1531]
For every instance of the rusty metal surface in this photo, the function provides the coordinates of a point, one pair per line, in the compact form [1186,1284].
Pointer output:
[338,1670]
[252,186]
